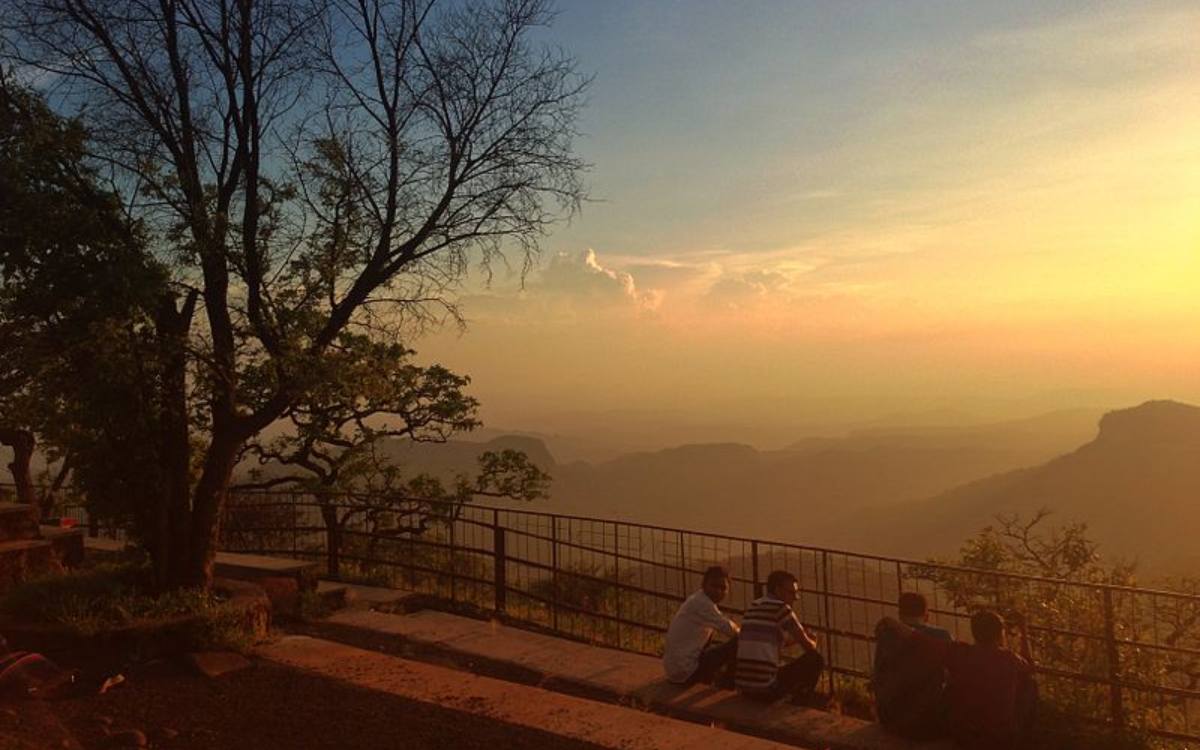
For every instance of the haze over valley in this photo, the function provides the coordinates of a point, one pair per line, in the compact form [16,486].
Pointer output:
[1131,474]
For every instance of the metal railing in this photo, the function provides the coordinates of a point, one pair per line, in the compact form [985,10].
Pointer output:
[1117,657]
[1114,656]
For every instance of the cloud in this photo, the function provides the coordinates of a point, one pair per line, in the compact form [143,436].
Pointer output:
[735,289]
[671,275]
[582,276]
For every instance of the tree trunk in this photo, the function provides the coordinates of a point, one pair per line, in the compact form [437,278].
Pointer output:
[173,522]
[208,499]
[47,498]
[333,537]
[22,443]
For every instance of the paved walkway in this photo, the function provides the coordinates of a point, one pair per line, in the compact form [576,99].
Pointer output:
[581,669]
[599,723]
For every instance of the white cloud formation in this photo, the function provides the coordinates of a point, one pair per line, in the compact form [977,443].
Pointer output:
[739,288]
[581,275]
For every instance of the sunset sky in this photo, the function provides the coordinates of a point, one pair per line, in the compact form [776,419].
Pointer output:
[822,212]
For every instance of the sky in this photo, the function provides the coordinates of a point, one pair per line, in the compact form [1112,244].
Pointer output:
[812,214]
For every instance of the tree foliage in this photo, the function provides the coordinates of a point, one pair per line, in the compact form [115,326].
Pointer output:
[1083,617]
[337,447]
[77,296]
[311,175]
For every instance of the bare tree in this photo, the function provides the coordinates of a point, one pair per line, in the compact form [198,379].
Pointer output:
[310,168]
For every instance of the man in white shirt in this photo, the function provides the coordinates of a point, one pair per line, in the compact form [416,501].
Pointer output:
[689,656]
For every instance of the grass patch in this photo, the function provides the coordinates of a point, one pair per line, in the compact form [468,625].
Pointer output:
[113,596]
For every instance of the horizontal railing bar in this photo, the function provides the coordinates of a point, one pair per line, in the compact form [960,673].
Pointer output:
[765,545]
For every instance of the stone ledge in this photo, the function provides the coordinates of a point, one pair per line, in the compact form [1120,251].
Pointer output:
[600,724]
[604,674]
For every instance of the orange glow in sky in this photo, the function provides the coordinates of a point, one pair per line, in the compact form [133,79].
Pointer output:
[988,211]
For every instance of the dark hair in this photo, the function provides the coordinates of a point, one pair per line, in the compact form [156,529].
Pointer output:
[715,572]
[912,604]
[779,578]
[987,628]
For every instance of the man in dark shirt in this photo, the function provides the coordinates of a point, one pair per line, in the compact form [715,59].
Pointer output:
[990,691]
[909,680]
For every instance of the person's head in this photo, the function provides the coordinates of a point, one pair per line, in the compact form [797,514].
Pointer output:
[987,628]
[783,586]
[913,608]
[716,583]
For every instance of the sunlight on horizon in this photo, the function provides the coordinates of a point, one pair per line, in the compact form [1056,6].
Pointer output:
[978,211]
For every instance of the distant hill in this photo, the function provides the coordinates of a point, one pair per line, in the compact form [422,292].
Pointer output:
[1136,485]
[793,494]
[790,494]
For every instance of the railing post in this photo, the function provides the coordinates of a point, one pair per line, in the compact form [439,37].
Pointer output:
[683,589]
[756,582]
[617,576]
[1116,700]
[501,562]
[554,571]
[832,656]
[453,561]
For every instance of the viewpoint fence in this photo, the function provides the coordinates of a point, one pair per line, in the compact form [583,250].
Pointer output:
[1122,657]
[1117,657]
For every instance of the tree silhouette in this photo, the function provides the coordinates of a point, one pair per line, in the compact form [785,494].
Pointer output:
[304,169]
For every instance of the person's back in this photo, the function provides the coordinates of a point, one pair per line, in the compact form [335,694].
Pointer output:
[987,695]
[909,680]
[990,691]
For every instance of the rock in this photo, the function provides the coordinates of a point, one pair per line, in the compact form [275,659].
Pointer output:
[251,601]
[213,664]
[166,733]
[128,738]
[284,593]
[32,676]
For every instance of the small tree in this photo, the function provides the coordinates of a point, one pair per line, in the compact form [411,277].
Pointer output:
[372,395]
[1070,626]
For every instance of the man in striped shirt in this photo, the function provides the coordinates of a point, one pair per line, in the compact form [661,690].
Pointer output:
[768,625]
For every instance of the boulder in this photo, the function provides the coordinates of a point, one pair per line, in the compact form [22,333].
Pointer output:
[26,675]
[213,664]
[251,600]
[284,593]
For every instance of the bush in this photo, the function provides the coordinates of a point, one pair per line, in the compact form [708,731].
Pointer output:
[585,587]
[1067,629]
[109,597]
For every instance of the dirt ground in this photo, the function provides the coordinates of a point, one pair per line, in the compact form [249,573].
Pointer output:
[268,706]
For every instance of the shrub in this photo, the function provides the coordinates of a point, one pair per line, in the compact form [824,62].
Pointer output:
[108,597]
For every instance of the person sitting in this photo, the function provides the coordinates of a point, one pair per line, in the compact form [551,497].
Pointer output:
[991,695]
[908,680]
[690,655]
[768,624]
